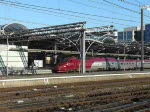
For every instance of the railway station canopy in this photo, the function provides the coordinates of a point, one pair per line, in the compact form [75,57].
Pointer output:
[67,37]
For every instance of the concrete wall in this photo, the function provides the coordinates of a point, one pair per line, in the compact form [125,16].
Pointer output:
[8,83]
[14,58]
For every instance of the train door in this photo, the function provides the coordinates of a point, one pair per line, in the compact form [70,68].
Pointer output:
[89,64]
[76,65]
[112,64]
[118,63]
[103,66]
[138,64]
[72,65]
[107,64]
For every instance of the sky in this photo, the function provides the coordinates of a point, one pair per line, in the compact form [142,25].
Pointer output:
[97,13]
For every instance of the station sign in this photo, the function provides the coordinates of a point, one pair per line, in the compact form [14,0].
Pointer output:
[38,63]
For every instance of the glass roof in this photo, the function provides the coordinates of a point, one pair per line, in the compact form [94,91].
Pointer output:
[14,27]
[106,39]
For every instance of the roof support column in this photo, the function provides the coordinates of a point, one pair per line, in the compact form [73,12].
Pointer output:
[83,54]
[55,53]
[142,38]
[7,55]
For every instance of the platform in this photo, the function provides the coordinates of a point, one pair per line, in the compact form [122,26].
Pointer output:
[51,79]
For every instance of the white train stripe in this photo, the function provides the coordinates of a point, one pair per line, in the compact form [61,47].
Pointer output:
[67,77]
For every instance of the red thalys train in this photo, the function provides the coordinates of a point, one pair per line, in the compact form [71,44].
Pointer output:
[97,64]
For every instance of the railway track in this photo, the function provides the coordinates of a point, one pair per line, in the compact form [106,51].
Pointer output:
[118,95]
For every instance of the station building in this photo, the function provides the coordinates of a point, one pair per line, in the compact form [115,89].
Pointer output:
[128,35]
[132,34]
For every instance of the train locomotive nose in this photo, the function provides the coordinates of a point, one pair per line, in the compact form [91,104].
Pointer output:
[61,68]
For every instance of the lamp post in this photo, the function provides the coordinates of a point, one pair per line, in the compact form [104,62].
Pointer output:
[142,34]
[142,37]
[83,54]
[55,48]
[125,40]
[124,56]
[7,55]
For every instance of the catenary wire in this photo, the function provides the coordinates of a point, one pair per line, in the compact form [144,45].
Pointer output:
[86,14]
[64,14]
[122,14]
[130,3]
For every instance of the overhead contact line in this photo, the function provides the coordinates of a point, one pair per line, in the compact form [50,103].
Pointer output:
[37,9]
[102,9]
[75,12]
[123,7]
